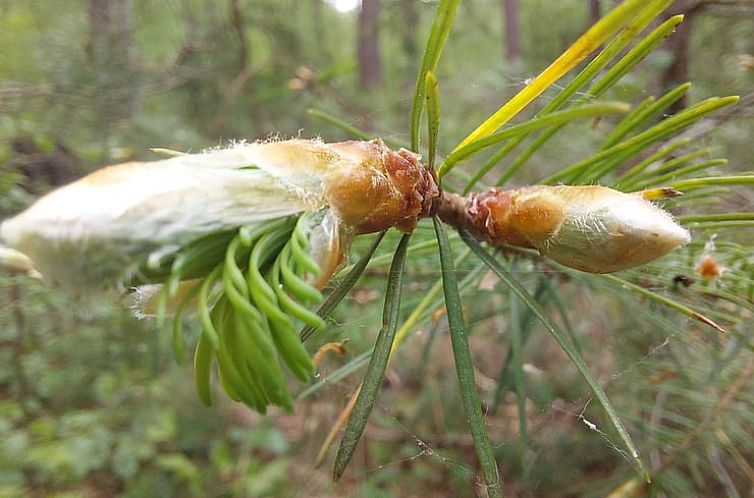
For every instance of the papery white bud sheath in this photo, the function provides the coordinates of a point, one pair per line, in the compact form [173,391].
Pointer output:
[606,231]
[93,232]
[590,228]
[90,232]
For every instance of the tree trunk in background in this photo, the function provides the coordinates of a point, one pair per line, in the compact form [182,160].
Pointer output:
[112,50]
[679,46]
[237,21]
[410,20]
[99,21]
[111,26]
[512,36]
[320,34]
[594,11]
[678,71]
[238,79]
[370,66]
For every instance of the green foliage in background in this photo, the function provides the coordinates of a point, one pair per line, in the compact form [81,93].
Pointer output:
[92,404]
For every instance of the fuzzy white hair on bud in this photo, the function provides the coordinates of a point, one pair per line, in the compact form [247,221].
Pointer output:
[89,234]
[607,231]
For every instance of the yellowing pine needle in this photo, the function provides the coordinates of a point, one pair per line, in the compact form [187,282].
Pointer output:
[598,34]
[166,152]
[343,417]
[339,348]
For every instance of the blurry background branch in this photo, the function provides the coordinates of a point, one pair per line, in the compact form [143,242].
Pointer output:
[85,84]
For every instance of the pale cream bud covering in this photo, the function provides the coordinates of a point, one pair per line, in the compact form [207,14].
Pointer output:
[590,228]
[93,232]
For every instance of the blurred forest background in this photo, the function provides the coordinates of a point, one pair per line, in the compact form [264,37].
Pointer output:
[92,403]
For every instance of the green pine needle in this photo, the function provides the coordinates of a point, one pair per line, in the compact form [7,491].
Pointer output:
[465,366]
[372,381]
[566,344]
[438,35]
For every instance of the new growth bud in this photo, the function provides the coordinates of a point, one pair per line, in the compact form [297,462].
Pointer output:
[590,228]
[95,232]
[99,230]
[373,188]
